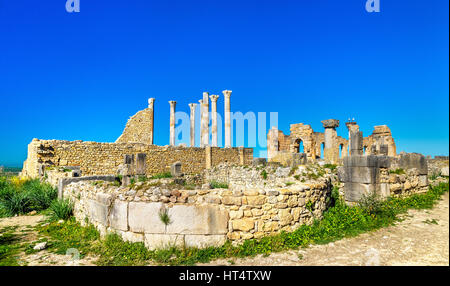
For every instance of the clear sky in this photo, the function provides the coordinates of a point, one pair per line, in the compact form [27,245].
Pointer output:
[80,76]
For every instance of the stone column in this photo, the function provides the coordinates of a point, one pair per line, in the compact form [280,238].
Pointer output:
[331,150]
[214,119]
[172,122]
[192,133]
[352,127]
[227,95]
[204,128]
[151,103]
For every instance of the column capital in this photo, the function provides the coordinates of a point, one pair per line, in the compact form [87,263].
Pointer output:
[330,123]
[227,93]
[192,105]
[150,102]
[214,98]
[172,103]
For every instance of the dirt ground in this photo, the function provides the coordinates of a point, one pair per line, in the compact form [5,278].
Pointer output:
[421,239]
[25,229]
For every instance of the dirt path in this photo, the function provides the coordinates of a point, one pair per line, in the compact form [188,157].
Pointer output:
[421,239]
[24,228]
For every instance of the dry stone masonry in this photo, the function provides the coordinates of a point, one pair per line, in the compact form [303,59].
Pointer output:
[219,194]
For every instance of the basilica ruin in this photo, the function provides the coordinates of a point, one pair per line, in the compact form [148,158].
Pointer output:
[212,194]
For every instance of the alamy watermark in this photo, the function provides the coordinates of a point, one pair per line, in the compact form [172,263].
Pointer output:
[73,6]
[373,6]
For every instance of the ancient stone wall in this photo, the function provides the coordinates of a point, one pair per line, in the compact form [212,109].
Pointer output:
[139,128]
[383,175]
[104,158]
[380,142]
[200,217]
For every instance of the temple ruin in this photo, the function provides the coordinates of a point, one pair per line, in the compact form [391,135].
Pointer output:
[214,194]
[303,139]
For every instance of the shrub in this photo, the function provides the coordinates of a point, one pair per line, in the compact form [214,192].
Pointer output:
[60,209]
[371,204]
[16,204]
[20,196]
[40,194]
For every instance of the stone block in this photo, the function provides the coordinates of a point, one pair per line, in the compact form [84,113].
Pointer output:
[131,236]
[245,224]
[203,241]
[197,220]
[144,217]
[365,175]
[118,218]
[445,171]
[423,180]
[256,200]
[354,191]
[380,161]
[98,212]
[163,241]
[141,165]
[385,190]
[230,200]
[105,199]
[175,169]
[413,160]
[342,174]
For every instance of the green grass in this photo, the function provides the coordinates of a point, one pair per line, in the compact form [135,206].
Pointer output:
[161,176]
[9,247]
[338,222]
[332,167]
[21,197]
[398,171]
[218,185]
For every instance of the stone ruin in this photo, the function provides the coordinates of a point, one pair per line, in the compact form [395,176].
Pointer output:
[379,172]
[218,194]
[281,147]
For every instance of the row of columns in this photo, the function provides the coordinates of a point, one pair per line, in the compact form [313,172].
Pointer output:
[204,120]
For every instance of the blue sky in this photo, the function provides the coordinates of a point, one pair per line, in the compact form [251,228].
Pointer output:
[80,76]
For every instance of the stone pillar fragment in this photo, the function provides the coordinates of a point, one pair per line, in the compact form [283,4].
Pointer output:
[227,95]
[172,122]
[214,120]
[151,103]
[272,143]
[352,127]
[192,129]
[331,150]
[356,143]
